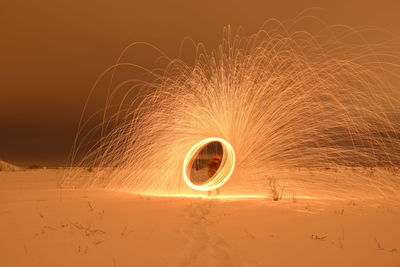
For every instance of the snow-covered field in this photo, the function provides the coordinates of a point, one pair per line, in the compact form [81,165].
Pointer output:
[42,225]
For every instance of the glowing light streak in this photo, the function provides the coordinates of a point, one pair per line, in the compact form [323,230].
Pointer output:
[289,102]
[224,171]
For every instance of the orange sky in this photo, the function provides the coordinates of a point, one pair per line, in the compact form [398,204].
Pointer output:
[52,52]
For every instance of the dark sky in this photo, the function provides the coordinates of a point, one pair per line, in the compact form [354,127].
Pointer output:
[52,52]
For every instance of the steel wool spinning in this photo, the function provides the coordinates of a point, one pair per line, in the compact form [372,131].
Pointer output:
[309,110]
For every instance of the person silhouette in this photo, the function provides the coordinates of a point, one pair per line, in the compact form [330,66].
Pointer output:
[213,167]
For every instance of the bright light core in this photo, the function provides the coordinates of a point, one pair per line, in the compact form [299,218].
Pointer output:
[224,171]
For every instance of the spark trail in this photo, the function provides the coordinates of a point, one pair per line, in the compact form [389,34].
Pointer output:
[310,110]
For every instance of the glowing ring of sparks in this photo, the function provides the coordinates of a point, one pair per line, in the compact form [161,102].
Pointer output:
[224,171]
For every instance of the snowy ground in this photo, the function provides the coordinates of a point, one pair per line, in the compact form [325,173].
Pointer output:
[41,225]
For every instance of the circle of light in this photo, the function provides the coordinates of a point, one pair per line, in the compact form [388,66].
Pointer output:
[224,171]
